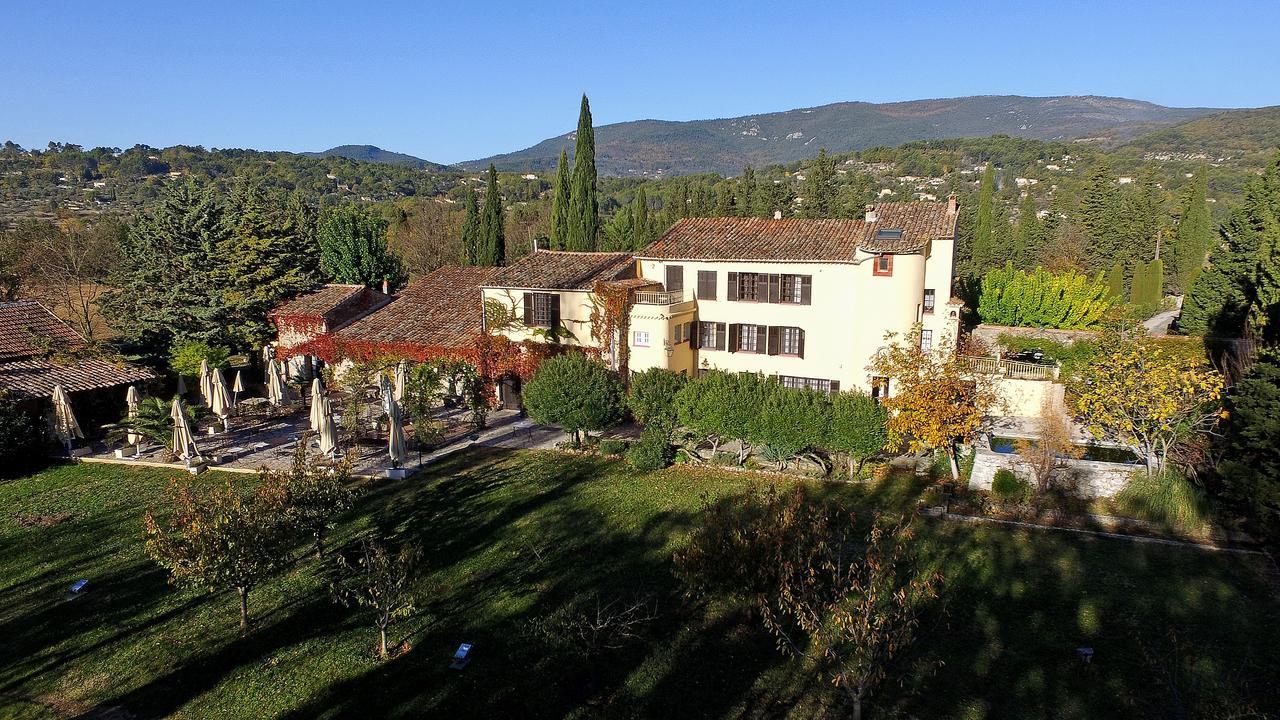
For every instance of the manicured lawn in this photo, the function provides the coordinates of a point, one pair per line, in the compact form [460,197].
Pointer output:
[510,536]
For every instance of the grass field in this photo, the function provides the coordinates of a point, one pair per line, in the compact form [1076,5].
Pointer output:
[510,536]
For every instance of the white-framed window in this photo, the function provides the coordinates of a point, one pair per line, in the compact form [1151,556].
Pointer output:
[640,338]
[926,340]
[930,299]
[749,338]
[790,339]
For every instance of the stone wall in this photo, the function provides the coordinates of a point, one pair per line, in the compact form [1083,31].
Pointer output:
[989,335]
[1090,479]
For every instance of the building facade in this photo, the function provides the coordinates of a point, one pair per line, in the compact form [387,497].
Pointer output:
[807,301]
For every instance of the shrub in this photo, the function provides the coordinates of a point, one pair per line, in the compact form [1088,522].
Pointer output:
[1042,299]
[1166,498]
[857,429]
[653,452]
[612,447]
[574,392]
[1009,488]
[24,438]
[653,396]
[185,356]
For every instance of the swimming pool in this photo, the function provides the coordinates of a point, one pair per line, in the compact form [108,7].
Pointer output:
[1099,453]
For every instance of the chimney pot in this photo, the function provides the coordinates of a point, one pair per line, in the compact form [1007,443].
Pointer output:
[952,205]
[386,286]
[871,213]
[777,214]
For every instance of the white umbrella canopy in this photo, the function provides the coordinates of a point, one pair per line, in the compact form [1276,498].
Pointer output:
[268,354]
[318,404]
[184,444]
[182,386]
[219,399]
[275,385]
[396,446]
[236,388]
[131,399]
[206,383]
[65,425]
[328,432]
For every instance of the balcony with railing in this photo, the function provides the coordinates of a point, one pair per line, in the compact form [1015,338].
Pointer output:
[1013,369]
[661,297]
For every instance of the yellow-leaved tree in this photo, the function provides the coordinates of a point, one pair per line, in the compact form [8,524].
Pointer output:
[1138,393]
[934,402]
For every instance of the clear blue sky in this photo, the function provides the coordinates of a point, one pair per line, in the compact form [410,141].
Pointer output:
[451,81]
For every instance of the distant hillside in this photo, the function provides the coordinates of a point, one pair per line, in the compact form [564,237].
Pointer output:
[373,153]
[1234,134]
[657,147]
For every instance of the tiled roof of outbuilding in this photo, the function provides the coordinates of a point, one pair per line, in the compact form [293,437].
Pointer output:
[318,302]
[35,378]
[561,270]
[442,309]
[26,325]
[805,240]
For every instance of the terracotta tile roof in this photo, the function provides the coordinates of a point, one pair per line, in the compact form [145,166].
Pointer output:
[561,270]
[803,240]
[26,326]
[335,305]
[27,331]
[35,378]
[439,310]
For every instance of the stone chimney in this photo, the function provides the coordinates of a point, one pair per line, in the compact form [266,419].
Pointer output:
[952,206]
[777,214]
[386,286]
[871,213]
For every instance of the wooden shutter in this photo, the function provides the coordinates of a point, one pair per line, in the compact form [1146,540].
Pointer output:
[761,338]
[806,289]
[801,341]
[734,330]
[553,311]
[720,344]
[675,278]
[775,340]
[528,309]
[835,387]
[706,284]
[696,338]
[733,286]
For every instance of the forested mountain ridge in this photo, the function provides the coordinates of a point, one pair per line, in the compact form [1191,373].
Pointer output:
[725,145]
[1234,134]
[373,153]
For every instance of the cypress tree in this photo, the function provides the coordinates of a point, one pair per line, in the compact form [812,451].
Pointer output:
[492,247]
[1028,239]
[747,193]
[724,200]
[640,220]
[1100,216]
[584,209]
[1155,283]
[353,248]
[1115,281]
[560,201]
[1142,216]
[984,224]
[1002,238]
[820,187]
[1192,235]
[1139,288]
[471,230]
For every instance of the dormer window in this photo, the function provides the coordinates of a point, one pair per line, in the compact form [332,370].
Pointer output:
[882,265]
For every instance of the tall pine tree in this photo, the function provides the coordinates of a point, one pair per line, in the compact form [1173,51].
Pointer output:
[747,193]
[1099,215]
[560,202]
[353,248]
[167,290]
[1028,239]
[983,257]
[820,187]
[584,209]
[640,220]
[492,248]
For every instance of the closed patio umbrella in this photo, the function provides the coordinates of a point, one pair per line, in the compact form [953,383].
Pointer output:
[275,384]
[206,384]
[65,425]
[317,404]
[184,444]
[237,388]
[328,431]
[182,386]
[131,399]
[402,378]
[396,446]
[219,397]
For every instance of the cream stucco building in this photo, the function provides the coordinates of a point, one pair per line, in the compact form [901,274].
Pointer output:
[807,301]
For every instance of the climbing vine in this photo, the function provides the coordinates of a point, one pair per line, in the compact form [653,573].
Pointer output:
[611,320]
